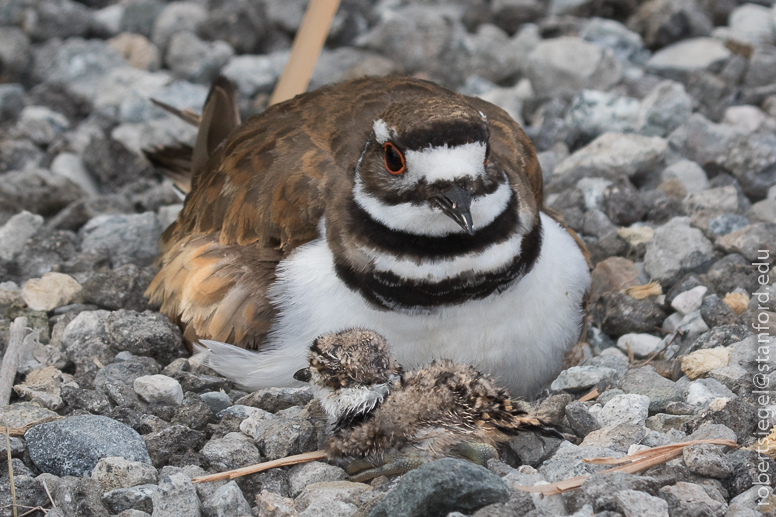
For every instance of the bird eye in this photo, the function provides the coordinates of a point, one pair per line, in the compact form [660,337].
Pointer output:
[394,161]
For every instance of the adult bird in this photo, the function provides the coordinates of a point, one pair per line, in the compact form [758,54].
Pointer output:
[386,203]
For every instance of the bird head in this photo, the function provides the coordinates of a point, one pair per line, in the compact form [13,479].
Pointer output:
[425,170]
[351,373]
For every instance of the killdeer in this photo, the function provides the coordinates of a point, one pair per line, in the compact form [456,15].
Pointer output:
[392,204]
[386,422]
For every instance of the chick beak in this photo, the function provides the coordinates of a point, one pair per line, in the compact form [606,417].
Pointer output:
[302,375]
[456,204]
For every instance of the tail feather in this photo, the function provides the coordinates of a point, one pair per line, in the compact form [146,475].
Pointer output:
[220,116]
[248,369]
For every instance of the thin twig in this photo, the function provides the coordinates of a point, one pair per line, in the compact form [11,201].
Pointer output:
[45,487]
[10,464]
[19,431]
[590,395]
[260,467]
[670,342]
[637,462]
[11,359]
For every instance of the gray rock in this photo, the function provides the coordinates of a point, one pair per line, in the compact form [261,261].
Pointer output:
[29,491]
[192,59]
[702,141]
[79,496]
[764,211]
[646,381]
[609,156]
[702,392]
[117,472]
[664,109]
[277,399]
[580,419]
[233,451]
[532,449]
[176,17]
[57,19]
[592,113]
[217,401]
[159,389]
[632,502]
[676,249]
[567,461]
[116,380]
[753,24]
[138,498]
[726,223]
[37,191]
[14,52]
[618,437]
[691,500]
[618,314]
[440,487]
[679,60]
[600,490]
[176,496]
[123,288]
[74,445]
[71,166]
[623,203]
[762,67]
[226,500]
[41,124]
[582,377]
[624,409]
[562,66]
[16,231]
[691,175]
[750,241]
[125,238]
[173,444]
[255,74]
[11,100]
[715,312]
[20,153]
[299,476]
[626,45]
[86,337]
[423,38]
[240,23]
[707,460]
[78,63]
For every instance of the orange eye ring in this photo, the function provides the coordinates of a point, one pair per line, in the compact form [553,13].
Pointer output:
[393,159]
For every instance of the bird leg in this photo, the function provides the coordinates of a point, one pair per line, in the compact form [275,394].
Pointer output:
[476,452]
[390,464]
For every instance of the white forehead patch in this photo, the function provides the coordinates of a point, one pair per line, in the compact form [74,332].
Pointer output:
[381,131]
[446,163]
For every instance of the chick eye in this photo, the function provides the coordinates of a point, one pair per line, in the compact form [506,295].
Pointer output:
[394,161]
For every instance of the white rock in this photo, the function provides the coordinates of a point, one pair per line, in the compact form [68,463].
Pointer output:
[664,109]
[159,389]
[642,345]
[15,232]
[51,291]
[753,24]
[624,409]
[593,191]
[678,60]
[255,74]
[703,392]
[116,472]
[42,124]
[168,214]
[563,66]
[747,118]
[691,175]
[256,423]
[609,156]
[579,377]
[689,301]
[70,166]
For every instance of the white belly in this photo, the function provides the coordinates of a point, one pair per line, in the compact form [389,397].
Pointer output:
[519,336]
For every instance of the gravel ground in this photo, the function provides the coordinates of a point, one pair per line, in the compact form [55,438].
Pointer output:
[656,127]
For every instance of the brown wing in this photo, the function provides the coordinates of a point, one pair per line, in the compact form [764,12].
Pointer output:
[260,194]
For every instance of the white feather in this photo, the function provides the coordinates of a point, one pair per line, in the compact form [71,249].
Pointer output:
[492,258]
[427,219]
[519,335]
[445,163]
